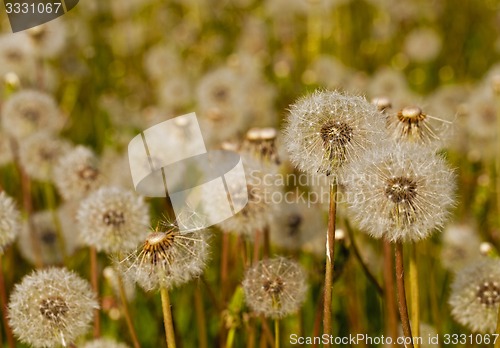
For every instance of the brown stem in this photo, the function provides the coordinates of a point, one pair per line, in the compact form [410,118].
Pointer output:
[267,333]
[126,313]
[224,266]
[400,282]
[27,205]
[3,299]
[317,320]
[167,318]
[391,324]
[94,279]
[256,246]
[266,250]
[330,249]
[200,318]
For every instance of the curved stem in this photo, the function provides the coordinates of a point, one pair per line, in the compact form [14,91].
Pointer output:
[400,282]
[330,249]
[363,265]
[126,312]
[167,318]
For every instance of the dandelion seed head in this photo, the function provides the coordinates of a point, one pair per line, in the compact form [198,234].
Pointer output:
[167,258]
[382,103]
[10,221]
[48,39]
[475,295]
[40,152]
[77,173]
[29,111]
[260,143]
[16,55]
[461,246]
[113,220]
[46,236]
[275,287]
[328,129]
[400,191]
[51,307]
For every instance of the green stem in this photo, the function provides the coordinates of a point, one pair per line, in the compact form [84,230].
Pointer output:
[167,318]
[414,294]
[94,280]
[391,314]
[330,249]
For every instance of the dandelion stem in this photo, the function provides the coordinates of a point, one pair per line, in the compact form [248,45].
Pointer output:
[391,326]
[266,250]
[400,282]
[256,246]
[363,265]
[167,317]
[49,196]
[330,249]
[27,205]
[200,317]
[276,333]
[94,280]
[414,293]
[3,299]
[224,266]
[126,312]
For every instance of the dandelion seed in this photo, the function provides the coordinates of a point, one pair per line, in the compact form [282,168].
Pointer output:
[10,221]
[167,258]
[113,220]
[475,295]
[29,111]
[401,192]
[51,307]
[77,173]
[275,287]
[328,129]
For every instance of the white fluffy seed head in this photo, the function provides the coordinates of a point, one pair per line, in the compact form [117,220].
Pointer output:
[461,246]
[77,173]
[113,220]
[29,111]
[327,130]
[475,295]
[400,191]
[51,307]
[40,152]
[260,189]
[275,287]
[46,237]
[167,258]
[10,221]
